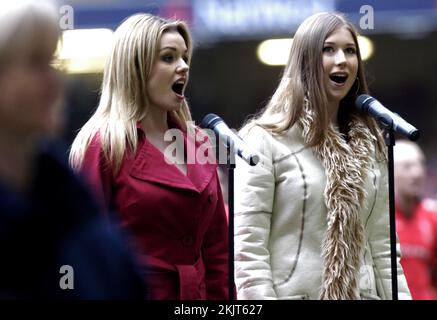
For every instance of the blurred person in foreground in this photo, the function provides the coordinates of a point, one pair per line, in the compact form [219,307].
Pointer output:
[416,221]
[54,241]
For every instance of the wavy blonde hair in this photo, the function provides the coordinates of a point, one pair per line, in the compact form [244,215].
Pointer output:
[124,99]
[303,79]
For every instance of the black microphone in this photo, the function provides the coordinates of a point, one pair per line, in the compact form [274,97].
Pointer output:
[215,123]
[387,118]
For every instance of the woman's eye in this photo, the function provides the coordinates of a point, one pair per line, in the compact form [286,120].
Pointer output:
[328,49]
[351,50]
[167,58]
[185,58]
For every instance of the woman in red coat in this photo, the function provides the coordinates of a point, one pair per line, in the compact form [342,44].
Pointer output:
[173,209]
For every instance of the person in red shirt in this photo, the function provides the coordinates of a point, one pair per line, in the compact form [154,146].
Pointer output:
[172,209]
[416,221]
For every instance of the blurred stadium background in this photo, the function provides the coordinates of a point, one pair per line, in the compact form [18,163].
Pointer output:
[229,79]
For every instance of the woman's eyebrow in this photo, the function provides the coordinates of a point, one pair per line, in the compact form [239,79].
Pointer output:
[333,43]
[172,48]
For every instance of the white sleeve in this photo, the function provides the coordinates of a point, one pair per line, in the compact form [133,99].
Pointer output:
[254,194]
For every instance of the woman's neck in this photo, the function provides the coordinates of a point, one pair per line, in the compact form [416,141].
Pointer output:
[155,123]
[333,112]
[17,154]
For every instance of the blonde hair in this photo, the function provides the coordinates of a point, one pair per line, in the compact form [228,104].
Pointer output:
[303,79]
[123,100]
[27,28]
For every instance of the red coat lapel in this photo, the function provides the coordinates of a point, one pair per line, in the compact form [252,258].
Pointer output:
[151,165]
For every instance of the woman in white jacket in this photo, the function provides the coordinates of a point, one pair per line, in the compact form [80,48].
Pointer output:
[312,218]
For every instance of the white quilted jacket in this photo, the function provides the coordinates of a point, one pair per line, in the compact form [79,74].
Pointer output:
[280,220]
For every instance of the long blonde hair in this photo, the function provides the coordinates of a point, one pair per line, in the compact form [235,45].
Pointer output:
[303,79]
[124,100]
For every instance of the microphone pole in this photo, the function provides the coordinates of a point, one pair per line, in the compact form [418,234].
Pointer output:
[389,138]
[230,163]
[210,121]
[390,122]
[234,145]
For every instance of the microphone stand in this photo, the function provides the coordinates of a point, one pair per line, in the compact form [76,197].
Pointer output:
[390,142]
[230,163]
[391,123]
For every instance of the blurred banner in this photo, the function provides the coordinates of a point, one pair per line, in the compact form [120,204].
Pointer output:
[212,20]
[246,18]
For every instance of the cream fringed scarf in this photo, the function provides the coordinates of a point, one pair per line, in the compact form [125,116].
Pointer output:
[345,166]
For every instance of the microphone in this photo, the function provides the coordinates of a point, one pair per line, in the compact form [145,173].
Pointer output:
[215,123]
[387,118]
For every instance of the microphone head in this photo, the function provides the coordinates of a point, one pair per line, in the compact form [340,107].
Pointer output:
[362,100]
[210,121]
[414,135]
[254,160]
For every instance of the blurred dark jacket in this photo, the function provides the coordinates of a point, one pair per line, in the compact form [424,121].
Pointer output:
[56,223]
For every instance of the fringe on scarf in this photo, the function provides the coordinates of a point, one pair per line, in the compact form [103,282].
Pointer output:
[345,166]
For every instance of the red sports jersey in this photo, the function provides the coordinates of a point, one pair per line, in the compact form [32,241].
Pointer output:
[418,238]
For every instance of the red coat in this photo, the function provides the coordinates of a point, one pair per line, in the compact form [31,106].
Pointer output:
[178,222]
